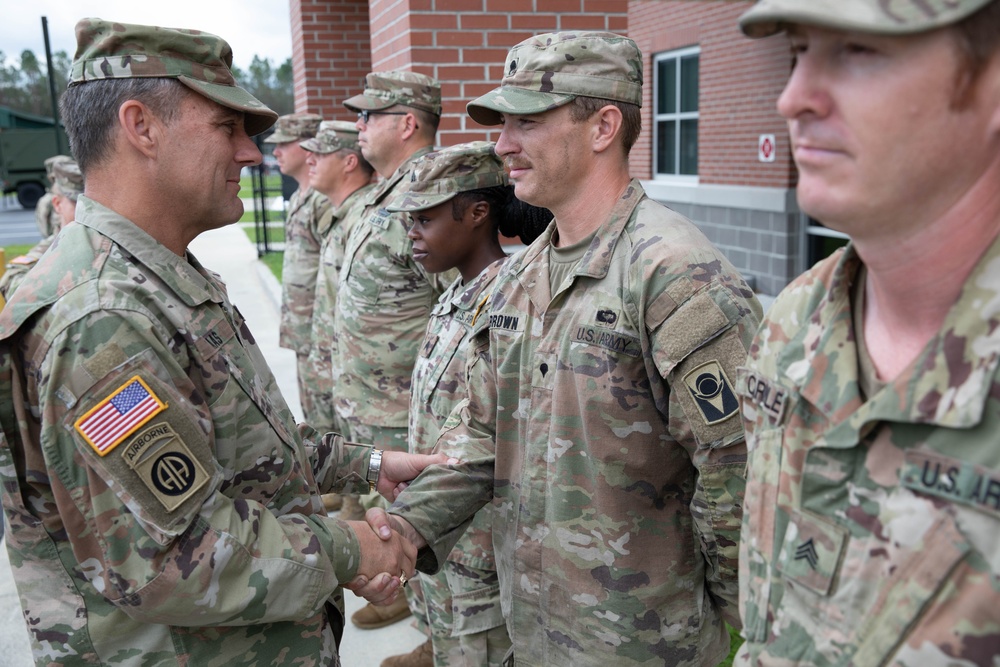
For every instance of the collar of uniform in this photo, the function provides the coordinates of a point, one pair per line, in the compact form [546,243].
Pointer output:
[350,200]
[388,185]
[467,297]
[948,384]
[188,283]
[597,260]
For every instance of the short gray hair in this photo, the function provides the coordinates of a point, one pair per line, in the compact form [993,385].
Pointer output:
[90,111]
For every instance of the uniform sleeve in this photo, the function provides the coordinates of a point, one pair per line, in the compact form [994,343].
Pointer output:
[156,523]
[338,466]
[442,501]
[697,344]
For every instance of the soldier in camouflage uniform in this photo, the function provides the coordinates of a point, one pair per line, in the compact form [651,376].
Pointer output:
[46,216]
[163,507]
[385,296]
[600,418]
[458,200]
[303,240]
[871,397]
[339,172]
[67,186]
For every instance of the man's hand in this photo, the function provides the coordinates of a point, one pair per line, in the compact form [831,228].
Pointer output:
[387,525]
[399,468]
[383,560]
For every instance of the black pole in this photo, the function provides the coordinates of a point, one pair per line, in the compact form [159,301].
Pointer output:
[52,86]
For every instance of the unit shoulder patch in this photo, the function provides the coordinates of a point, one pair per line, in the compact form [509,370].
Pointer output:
[712,392]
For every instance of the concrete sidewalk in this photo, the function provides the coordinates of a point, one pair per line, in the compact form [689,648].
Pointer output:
[256,292]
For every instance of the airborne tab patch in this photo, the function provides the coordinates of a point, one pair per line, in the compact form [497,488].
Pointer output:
[115,418]
[165,465]
[712,392]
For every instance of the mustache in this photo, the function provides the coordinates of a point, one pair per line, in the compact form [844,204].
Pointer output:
[511,163]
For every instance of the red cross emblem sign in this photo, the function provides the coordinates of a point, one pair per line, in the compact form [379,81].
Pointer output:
[766,148]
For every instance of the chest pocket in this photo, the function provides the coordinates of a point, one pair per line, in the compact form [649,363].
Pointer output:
[886,568]
[363,275]
[439,388]
[242,428]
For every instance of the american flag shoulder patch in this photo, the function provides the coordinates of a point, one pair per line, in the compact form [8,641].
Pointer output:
[115,418]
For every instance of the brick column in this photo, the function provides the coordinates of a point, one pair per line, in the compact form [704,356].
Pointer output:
[331,53]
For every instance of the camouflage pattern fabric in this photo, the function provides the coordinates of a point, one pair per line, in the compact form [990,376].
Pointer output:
[334,228]
[188,530]
[298,282]
[463,599]
[18,267]
[871,527]
[46,216]
[384,302]
[386,89]
[438,176]
[294,127]
[602,424]
[199,60]
[895,17]
[547,71]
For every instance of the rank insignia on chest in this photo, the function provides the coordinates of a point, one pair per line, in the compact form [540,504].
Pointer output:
[119,415]
[712,392]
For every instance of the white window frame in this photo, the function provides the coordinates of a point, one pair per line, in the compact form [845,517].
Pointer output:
[677,55]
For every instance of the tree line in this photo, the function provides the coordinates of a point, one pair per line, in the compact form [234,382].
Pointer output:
[24,82]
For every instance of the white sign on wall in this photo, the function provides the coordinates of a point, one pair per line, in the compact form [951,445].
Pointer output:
[766,148]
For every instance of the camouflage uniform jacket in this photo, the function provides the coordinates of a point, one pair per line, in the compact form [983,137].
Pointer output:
[299,268]
[872,527]
[383,304]
[439,385]
[334,228]
[46,216]
[617,473]
[161,502]
[18,267]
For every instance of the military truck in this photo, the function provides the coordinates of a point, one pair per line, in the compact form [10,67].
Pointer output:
[26,140]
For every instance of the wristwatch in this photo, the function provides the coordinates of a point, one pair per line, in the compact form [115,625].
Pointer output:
[374,467]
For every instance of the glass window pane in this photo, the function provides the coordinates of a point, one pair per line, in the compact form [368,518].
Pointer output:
[689,147]
[689,83]
[666,147]
[666,82]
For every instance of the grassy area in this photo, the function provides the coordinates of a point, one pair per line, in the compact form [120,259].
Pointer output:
[12,251]
[275,232]
[271,182]
[735,641]
[273,260]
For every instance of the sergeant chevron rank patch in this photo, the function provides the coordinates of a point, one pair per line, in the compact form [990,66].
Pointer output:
[712,392]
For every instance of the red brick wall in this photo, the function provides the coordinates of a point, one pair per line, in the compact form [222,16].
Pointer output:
[463,43]
[740,80]
[331,54]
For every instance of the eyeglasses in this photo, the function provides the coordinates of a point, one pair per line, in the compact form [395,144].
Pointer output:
[366,114]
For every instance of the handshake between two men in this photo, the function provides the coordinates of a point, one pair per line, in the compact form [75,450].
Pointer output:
[389,545]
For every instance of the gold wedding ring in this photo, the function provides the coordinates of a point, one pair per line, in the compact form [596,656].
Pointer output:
[403,579]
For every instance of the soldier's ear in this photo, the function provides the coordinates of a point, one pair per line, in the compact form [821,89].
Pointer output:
[139,127]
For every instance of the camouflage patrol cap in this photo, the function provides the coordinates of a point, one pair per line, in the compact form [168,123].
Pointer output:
[332,136]
[294,127]
[67,179]
[199,60]
[51,162]
[437,177]
[411,89]
[888,17]
[550,70]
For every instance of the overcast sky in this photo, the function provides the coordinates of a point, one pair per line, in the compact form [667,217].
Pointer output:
[252,27]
